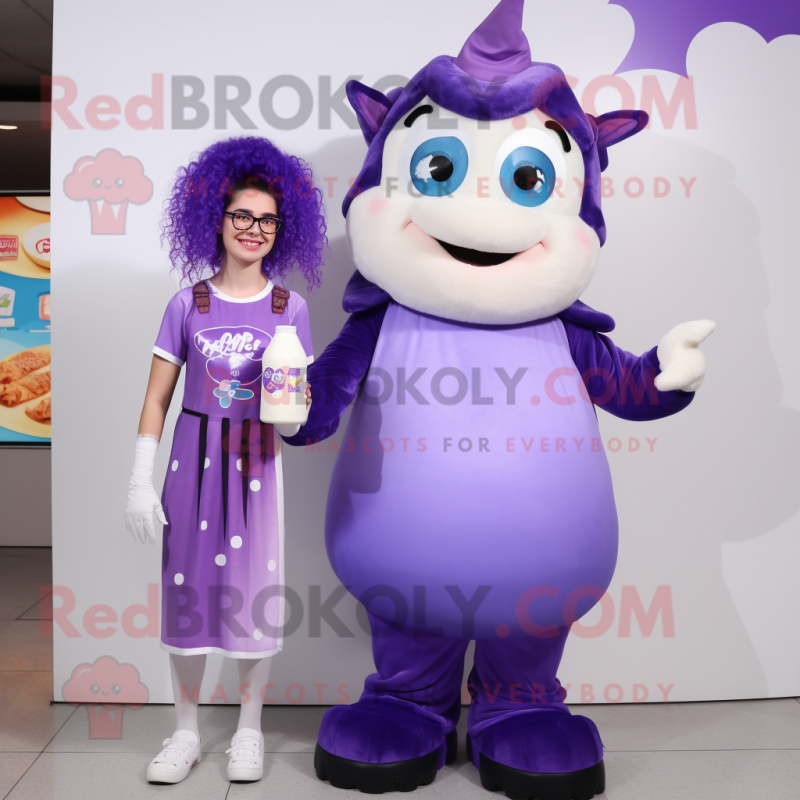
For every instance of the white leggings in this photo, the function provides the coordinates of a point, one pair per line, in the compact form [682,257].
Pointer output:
[187,673]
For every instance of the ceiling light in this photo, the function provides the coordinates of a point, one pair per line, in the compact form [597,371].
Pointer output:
[8,127]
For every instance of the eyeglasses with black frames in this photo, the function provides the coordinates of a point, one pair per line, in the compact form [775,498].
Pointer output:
[243,222]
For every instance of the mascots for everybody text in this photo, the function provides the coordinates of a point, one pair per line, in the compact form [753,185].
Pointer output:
[471,498]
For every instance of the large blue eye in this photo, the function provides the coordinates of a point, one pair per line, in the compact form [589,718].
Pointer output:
[439,166]
[528,176]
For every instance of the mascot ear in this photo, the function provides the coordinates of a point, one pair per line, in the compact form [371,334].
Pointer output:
[370,106]
[614,127]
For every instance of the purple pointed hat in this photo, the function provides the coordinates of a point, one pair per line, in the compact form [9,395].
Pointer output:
[498,47]
[494,78]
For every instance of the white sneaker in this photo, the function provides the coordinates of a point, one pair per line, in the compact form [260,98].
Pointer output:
[173,763]
[247,756]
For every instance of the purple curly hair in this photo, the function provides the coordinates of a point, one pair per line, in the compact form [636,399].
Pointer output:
[203,189]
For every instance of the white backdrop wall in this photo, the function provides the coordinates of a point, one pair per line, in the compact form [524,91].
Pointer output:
[708,500]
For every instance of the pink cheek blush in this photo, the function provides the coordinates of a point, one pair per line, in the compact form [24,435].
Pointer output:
[582,238]
[376,205]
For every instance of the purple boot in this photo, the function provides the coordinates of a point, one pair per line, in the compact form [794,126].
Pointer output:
[522,737]
[402,730]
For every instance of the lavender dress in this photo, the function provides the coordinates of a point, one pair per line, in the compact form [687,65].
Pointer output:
[222,564]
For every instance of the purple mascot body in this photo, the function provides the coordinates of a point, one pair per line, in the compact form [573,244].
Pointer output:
[472,498]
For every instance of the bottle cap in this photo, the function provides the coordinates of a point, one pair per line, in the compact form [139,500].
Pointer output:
[285,329]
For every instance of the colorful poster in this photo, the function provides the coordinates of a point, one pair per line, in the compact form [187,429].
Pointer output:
[25,320]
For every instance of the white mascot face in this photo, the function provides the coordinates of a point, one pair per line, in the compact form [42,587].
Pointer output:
[476,221]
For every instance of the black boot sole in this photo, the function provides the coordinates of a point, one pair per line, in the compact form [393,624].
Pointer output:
[401,776]
[521,785]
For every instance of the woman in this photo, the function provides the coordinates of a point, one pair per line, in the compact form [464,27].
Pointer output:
[251,214]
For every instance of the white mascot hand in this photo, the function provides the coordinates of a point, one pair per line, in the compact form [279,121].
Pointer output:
[288,430]
[143,499]
[683,365]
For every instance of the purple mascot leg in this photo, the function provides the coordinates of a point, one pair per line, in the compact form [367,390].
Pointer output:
[402,730]
[522,737]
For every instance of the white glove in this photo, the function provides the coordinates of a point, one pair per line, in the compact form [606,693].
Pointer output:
[683,365]
[288,430]
[142,496]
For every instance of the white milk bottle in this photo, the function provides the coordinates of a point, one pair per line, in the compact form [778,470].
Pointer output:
[283,380]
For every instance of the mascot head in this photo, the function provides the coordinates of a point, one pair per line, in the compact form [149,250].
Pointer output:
[479,198]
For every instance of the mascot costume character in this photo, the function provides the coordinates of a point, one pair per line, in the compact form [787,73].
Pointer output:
[471,497]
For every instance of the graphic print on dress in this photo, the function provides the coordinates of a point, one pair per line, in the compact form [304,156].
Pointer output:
[233,354]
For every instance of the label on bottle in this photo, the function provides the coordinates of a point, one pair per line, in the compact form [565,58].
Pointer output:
[291,379]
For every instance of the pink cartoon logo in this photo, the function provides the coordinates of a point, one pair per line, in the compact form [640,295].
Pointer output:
[109,181]
[106,688]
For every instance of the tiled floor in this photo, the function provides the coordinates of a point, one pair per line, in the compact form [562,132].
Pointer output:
[747,749]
